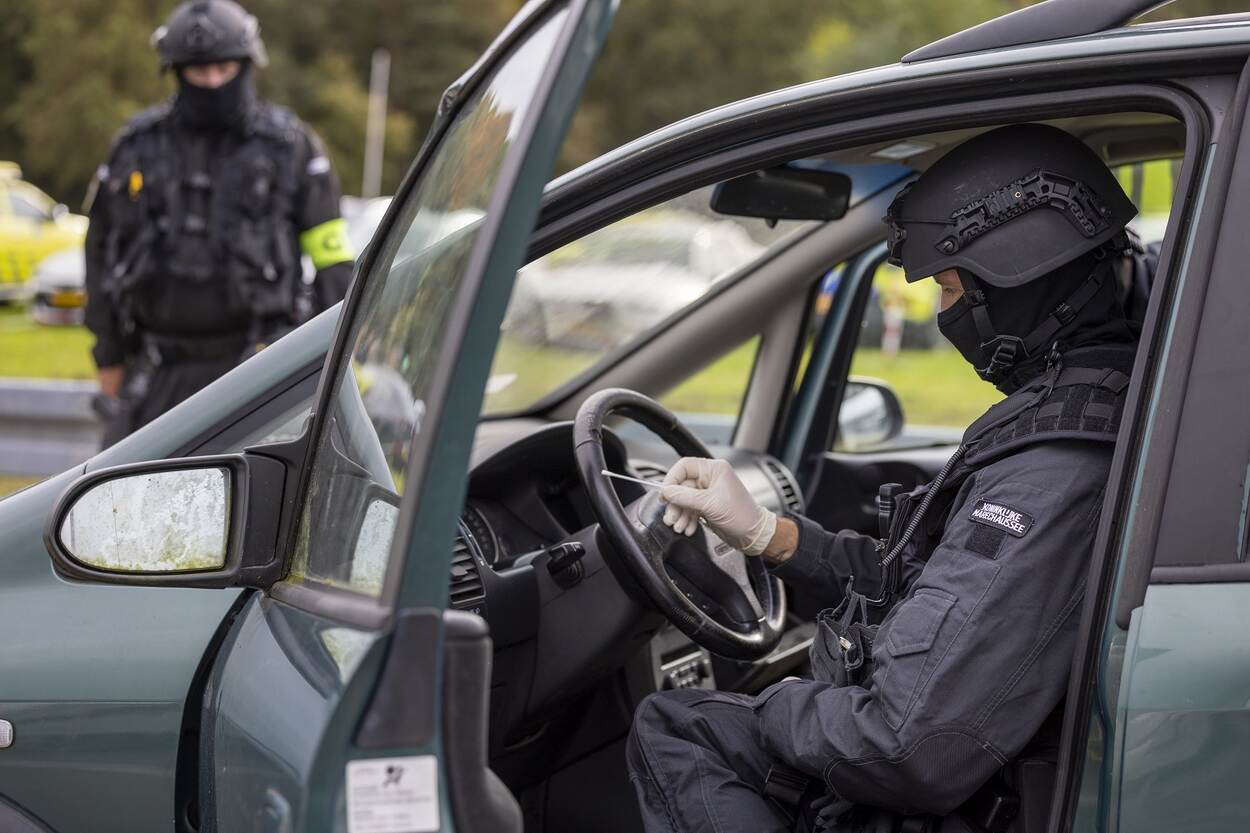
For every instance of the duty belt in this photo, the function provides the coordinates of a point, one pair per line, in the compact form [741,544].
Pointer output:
[175,349]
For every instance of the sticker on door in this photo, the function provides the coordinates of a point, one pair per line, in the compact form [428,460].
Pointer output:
[392,795]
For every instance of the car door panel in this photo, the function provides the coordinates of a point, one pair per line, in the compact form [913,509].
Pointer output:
[1158,702]
[1184,727]
[262,750]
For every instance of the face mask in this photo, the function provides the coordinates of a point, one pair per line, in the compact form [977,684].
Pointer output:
[216,108]
[956,326]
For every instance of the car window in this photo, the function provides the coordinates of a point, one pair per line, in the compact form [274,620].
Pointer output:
[376,400]
[1150,185]
[709,401]
[595,296]
[899,344]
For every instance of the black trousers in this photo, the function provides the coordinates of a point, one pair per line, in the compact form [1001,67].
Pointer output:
[698,764]
[166,385]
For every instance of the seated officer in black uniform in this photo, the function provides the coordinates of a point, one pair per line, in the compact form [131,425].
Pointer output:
[949,642]
[197,222]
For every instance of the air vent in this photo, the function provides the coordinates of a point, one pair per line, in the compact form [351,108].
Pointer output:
[648,471]
[466,580]
[786,484]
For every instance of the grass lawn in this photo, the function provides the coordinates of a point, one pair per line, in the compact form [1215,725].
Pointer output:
[33,350]
[936,387]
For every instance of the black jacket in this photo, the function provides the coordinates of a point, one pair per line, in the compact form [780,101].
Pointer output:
[207,226]
[976,655]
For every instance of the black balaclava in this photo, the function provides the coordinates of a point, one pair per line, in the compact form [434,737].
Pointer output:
[216,109]
[1018,310]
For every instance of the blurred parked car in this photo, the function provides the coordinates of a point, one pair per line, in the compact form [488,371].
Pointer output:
[32,226]
[56,289]
[624,279]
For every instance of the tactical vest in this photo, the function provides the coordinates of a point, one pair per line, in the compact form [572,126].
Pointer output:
[206,218]
[1081,399]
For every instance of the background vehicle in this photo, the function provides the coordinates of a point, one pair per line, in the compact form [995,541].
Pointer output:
[625,278]
[32,226]
[57,288]
[287,687]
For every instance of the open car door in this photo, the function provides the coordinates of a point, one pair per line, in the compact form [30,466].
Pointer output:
[348,697]
[342,694]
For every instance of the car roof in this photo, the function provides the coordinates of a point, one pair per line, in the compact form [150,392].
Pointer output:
[1195,37]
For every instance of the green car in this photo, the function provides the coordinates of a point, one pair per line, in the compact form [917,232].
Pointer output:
[376,579]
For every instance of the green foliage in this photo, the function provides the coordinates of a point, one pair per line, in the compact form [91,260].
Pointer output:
[80,68]
[856,34]
[75,70]
[667,59]
[328,96]
[69,109]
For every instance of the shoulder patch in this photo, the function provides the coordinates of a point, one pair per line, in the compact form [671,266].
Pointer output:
[1000,516]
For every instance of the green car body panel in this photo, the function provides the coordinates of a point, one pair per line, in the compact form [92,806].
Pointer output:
[95,679]
[1182,721]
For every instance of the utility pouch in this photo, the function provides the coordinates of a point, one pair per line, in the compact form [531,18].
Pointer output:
[841,653]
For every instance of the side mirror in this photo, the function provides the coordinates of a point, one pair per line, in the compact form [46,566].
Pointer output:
[192,522]
[785,193]
[870,414]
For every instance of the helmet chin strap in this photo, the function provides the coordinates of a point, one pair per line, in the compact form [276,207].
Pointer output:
[1006,351]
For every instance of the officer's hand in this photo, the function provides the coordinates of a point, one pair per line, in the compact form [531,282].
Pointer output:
[696,487]
[111,378]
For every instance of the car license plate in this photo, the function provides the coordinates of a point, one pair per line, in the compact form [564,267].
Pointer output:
[68,298]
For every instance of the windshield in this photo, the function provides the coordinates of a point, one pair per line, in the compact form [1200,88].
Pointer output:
[584,302]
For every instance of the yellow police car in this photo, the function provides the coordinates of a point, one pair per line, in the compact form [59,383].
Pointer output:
[32,226]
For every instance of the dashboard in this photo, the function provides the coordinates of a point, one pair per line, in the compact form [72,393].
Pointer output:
[554,641]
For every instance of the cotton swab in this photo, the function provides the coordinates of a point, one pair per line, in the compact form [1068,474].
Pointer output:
[649,484]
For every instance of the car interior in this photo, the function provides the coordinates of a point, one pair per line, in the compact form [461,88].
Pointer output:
[578,642]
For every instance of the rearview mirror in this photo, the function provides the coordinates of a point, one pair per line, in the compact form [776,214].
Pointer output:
[870,414]
[197,522]
[785,193]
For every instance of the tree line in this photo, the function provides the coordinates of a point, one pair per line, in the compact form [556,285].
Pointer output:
[72,71]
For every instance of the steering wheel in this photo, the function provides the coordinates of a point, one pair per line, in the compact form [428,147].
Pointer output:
[720,598]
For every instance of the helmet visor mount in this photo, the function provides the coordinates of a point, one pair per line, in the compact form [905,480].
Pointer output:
[1039,189]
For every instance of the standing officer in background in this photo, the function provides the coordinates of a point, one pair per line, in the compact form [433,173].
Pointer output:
[197,222]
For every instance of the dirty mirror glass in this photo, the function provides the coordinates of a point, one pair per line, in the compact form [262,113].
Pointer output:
[159,522]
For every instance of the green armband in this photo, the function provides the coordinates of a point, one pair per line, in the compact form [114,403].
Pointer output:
[327,244]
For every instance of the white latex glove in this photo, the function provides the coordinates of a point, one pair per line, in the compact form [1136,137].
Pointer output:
[696,487]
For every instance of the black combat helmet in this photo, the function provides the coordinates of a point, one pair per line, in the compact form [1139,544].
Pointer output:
[1031,219]
[1010,206]
[208,31]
